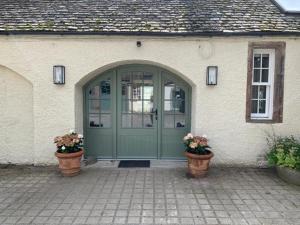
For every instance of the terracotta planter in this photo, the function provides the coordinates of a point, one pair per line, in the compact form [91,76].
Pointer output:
[289,175]
[69,163]
[198,164]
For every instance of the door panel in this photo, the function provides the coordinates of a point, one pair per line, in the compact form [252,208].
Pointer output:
[175,116]
[137,126]
[100,113]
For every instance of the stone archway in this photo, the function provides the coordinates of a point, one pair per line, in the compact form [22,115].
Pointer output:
[161,126]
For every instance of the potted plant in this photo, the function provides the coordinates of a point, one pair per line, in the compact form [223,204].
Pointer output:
[69,153]
[284,154]
[198,154]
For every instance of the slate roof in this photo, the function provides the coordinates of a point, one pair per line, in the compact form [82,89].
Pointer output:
[158,17]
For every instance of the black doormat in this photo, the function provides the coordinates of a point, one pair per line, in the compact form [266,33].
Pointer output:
[134,163]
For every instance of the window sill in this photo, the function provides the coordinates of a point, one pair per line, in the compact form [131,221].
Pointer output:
[257,120]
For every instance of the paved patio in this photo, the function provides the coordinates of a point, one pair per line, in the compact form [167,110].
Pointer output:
[103,194]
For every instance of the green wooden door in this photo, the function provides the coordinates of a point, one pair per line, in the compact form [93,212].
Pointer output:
[100,113]
[176,111]
[137,129]
[136,112]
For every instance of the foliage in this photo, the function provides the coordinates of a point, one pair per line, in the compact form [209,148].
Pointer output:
[69,143]
[284,152]
[196,144]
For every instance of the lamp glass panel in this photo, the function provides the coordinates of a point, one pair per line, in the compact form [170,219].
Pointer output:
[212,75]
[58,75]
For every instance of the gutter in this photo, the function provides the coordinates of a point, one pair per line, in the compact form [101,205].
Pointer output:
[159,34]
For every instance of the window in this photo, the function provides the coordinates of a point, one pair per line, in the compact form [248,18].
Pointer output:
[262,83]
[264,101]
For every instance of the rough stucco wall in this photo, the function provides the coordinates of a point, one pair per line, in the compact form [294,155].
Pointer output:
[217,111]
[16,118]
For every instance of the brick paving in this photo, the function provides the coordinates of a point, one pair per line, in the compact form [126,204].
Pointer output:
[107,195]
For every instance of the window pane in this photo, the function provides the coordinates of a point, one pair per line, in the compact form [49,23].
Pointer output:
[264,75]
[105,120]
[257,60]
[254,92]
[94,106]
[148,86]
[262,106]
[265,60]
[262,92]
[169,121]
[137,106]
[137,84]
[94,93]
[126,106]
[126,86]
[148,120]
[256,75]
[169,90]
[94,120]
[126,91]
[126,79]
[148,106]
[179,107]
[148,92]
[180,121]
[105,89]
[168,107]
[105,106]
[137,120]
[126,120]
[254,106]
[179,94]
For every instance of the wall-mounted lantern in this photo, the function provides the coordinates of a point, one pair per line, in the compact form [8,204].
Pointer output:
[212,75]
[58,74]
[138,44]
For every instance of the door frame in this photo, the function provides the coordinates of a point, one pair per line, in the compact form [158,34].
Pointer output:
[160,102]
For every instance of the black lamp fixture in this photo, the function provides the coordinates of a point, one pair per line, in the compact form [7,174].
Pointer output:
[58,74]
[212,75]
[138,44]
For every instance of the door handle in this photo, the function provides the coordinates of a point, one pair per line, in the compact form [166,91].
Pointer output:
[155,111]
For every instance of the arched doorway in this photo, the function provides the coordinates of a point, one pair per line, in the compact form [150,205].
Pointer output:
[136,112]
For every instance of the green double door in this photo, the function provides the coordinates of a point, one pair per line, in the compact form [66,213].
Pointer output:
[136,112]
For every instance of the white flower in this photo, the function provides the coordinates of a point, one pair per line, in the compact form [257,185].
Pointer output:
[193,145]
[63,147]
[71,131]
[204,135]
[189,135]
[80,136]
[185,138]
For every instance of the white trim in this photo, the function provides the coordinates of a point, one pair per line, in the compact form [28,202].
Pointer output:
[269,85]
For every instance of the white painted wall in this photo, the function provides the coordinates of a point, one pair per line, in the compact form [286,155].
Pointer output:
[217,111]
[16,118]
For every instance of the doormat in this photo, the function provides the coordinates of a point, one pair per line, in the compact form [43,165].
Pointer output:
[134,163]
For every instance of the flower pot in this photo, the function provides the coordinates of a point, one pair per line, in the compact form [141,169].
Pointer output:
[198,164]
[69,163]
[289,175]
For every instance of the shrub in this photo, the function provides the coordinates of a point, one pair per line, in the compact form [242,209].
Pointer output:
[284,152]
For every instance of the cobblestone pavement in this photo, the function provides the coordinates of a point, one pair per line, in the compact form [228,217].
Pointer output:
[146,196]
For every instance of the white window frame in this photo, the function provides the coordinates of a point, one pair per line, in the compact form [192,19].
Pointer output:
[269,85]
